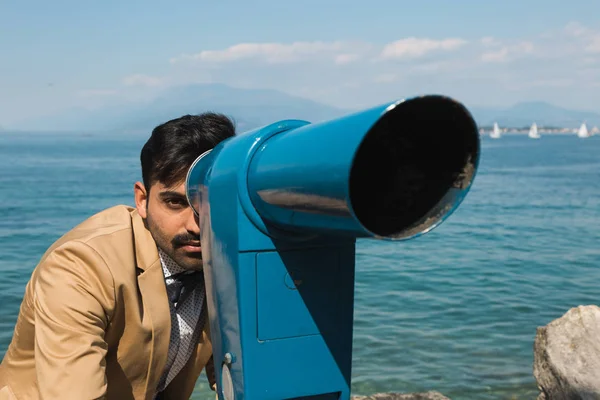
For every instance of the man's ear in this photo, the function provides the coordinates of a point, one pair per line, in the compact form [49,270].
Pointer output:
[141,198]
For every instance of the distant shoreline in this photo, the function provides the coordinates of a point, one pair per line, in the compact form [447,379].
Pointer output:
[544,130]
[525,133]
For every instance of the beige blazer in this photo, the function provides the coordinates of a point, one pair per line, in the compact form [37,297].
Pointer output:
[95,321]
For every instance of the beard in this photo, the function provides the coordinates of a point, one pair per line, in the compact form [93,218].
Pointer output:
[173,246]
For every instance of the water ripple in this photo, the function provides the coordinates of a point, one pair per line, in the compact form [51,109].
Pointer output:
[455,310]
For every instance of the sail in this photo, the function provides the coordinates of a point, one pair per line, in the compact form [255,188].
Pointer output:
[583,131]
[533,131]
[496,132]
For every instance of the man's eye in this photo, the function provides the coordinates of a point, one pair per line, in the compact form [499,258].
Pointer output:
[175,203]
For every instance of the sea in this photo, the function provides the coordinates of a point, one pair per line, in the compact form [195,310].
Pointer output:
[455,310]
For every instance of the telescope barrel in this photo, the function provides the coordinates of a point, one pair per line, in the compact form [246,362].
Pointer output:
[391,172]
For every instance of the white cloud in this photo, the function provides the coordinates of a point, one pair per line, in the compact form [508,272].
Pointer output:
[495,56]
[340,52]
[142,80]
[575,29]
[576,38]
[489,41]
[594,44]
[523,47]
[507,53]
[341,59]
[416,47]
[270,52]
[593,61]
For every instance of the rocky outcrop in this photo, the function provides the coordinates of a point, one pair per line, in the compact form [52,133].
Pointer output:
[403,396]
[567,356]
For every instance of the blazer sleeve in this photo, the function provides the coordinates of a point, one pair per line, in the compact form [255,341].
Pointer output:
[73,299]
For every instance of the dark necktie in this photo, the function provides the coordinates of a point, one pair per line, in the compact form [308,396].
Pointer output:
[183,285]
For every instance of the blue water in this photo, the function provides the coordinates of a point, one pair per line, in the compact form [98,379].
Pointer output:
[455,310]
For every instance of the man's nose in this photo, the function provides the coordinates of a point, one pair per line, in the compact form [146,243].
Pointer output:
[192,225]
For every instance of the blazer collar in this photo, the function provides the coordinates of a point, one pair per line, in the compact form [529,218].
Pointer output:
[146,252]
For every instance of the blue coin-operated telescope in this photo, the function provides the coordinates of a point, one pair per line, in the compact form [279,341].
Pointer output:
[280,209]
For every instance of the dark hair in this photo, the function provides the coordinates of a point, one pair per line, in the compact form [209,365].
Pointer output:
[175,145]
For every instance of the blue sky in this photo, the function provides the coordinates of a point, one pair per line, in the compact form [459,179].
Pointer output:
[65,53]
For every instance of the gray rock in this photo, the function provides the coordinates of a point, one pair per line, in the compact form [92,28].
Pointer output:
[567,356]
[432,395]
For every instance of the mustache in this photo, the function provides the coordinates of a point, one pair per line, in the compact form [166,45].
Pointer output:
[184,238]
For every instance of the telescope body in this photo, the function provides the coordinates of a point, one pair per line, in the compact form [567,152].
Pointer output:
[280,209]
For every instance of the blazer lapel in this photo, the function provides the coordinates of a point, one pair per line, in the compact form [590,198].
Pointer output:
[156,313]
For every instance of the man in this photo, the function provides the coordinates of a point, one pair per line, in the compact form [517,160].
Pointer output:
[116,307]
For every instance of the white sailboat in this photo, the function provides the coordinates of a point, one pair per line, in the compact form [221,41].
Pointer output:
[533,131]
[583,131]
[496,132]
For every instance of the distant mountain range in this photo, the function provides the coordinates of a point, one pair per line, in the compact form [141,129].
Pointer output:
[249,108]
[544,114]
[255,107]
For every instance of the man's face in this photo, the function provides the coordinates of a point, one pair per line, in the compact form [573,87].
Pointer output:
[171,221]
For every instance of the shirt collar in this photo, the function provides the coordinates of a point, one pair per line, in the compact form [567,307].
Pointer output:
[169,266]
